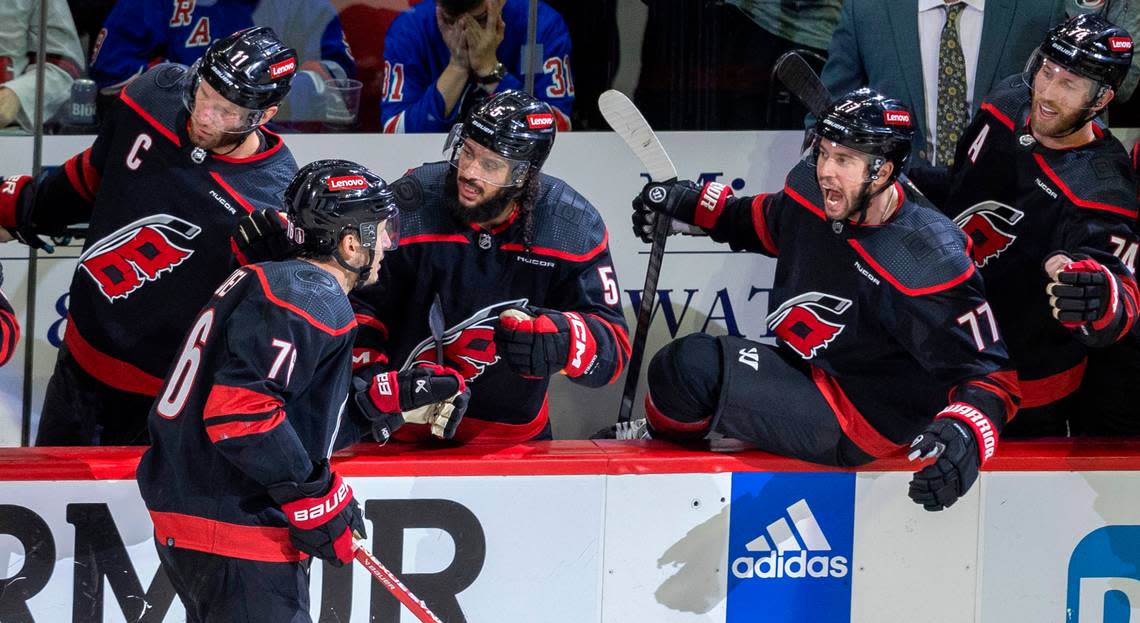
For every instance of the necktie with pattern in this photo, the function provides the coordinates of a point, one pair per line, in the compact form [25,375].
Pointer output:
[952,113]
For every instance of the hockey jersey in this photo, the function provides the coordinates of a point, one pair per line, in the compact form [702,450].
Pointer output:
[892,318]
[1019,202]
[159,229]
[9,330]
[479,273]
[254,399]
[415,56]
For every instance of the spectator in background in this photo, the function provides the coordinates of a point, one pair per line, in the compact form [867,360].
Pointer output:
[939,70]
[444,57]
[363,22]
[19,22]
[596,64]
[139,33]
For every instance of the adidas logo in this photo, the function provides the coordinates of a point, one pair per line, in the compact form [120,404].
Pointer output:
[785,556]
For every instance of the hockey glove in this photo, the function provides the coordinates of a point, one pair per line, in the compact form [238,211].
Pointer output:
[425,394]
[962,439]
[537,343]
[684,201]
[1083,292]
[262,236]
[17,198]
[322,515]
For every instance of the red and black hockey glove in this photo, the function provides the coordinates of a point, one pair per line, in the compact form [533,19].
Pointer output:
[963,439]
[684,201]
[322,515]
[425,394]
[1083,294]
[17,198]
[537,343]
[262,236]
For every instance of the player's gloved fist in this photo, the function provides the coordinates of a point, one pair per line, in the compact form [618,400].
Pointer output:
[953,438]
[427,393]
[684,201]
[538,343]
[17,197]
[262,236]
[322,515]
[1081,291]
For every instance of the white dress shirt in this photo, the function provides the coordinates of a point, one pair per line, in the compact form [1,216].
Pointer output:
[931,19]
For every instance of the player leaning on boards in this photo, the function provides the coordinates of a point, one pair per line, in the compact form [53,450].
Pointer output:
[237,479]
[179,158]
[1047,196]
[878,312]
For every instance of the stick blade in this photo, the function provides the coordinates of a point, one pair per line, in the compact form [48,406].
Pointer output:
[796,74]
[628,122]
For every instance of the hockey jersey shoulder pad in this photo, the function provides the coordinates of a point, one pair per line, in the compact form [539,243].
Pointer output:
[158,94]
[429,216]
[567,225]
[308,292]
[920,252]
[1097,177]
[1008,99]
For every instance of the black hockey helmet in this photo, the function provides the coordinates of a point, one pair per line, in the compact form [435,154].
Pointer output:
[251,68]
[1089,46]
[514,125]
[330,198]
[870,123]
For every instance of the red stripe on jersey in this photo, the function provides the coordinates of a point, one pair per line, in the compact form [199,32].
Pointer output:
[91,175]
[372,322]
[945,285]
[760,224]
[854,425]
[297,310]
[434,238]
[474,430]
[1084,203]
[149,119]
[263,543]
[999,115]
[71,168]
[230,430]
[1005,387]
[229,400]
[394,125]
[558,253]
[233,193]
[501,227]
[105,368]
[261,155]
[10,330]
[800,199]
[238,255]
[1040,392]
[621,341]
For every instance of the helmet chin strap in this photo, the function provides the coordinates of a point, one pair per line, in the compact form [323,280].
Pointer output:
[864,200]
[362,272]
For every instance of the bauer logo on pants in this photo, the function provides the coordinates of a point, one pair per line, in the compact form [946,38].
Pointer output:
[790,543]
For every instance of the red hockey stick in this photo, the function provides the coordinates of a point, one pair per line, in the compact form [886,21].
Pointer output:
[389,581]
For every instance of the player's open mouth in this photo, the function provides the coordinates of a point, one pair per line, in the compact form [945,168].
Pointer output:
[469,191]
[1044,112]
[832,197]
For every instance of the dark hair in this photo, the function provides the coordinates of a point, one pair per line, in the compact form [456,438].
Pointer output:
[458,7]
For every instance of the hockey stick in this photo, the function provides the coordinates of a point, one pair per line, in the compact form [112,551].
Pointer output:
[435,324]
[389,581]
[803,82]
[631,126]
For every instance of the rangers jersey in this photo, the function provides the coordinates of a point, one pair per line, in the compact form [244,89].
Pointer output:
[1019,202]
[161,213]
[479,273]
[892,318]
[254,399]
[415,56]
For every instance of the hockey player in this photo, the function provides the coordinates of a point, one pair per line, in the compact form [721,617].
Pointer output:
[877,311]
[9,326]
[180,158]
[249,412]
[1046,195]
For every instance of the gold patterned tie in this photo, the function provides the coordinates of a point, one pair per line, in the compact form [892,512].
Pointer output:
[951,86]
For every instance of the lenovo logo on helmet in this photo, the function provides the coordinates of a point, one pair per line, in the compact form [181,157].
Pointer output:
[896,117]
[540,121]
[283,68]
[1119,44]
[347,182]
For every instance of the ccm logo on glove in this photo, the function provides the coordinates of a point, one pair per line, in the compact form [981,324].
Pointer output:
[331,504]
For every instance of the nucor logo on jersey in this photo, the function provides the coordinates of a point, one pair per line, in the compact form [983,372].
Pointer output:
[1120,44]
[539,121]
[347,182]
[329,505]
[283,68]
[896,117]
[125,260]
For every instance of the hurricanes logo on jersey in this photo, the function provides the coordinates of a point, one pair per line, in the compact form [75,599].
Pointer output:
[135,254]
[468,347]
[983,223]
[800,325]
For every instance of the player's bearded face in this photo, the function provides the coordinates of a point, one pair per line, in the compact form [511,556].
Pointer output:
[215,121]
[841,173]
[1060,100]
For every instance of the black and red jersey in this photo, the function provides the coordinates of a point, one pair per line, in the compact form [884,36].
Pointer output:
[254,398]
[9,330]
[892,319]
[479,273]
[161,213]
[1019,202]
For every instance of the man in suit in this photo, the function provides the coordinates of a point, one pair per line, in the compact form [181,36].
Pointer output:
[904,47]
